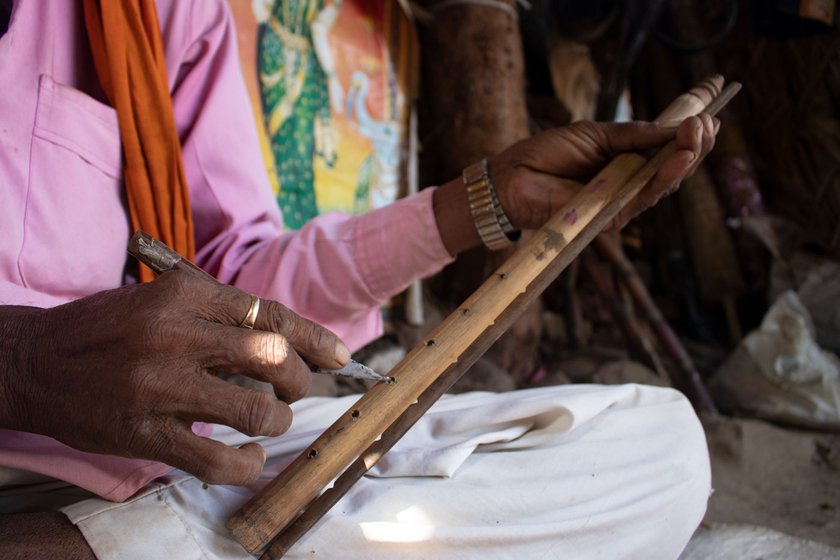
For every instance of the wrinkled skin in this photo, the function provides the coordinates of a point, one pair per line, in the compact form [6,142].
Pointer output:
[127,371]
[540,174]
[537,176]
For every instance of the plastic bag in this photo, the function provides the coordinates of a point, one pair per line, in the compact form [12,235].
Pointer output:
[779,372]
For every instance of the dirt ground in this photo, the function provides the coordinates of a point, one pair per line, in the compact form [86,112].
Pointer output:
[781,478]
[770,483]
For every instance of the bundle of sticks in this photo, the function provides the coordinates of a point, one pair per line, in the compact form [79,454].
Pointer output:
[293,502]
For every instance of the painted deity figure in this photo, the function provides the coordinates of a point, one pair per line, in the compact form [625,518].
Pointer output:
[297,83]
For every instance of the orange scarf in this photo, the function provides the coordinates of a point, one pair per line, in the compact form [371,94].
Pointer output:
[128,55]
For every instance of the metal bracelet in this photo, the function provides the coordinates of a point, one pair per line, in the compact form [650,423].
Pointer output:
[491,222]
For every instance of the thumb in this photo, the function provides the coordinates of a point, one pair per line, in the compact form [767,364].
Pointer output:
[579,149]
[633,136]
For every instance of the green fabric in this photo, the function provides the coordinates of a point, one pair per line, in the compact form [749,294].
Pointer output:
[293,144]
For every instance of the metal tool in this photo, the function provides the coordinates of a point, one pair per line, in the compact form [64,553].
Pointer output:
[354,369]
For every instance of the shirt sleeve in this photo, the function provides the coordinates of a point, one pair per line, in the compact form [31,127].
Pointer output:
[337,270]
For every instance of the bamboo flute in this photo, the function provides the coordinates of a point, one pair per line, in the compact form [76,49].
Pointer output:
[434,365]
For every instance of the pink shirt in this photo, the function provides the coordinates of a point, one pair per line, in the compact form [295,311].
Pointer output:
[64,226]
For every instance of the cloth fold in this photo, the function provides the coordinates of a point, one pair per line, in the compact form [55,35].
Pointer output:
[575,471]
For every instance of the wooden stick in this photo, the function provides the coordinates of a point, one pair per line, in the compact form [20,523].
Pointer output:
[689,379]
[572,310]
[430,369]
[413,307]
[601,276]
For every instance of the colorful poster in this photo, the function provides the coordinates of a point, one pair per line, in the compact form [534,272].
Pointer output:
[328,82]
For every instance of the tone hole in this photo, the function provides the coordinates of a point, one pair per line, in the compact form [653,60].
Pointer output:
[355,414]
[313,453]
[430,342]
[502,275]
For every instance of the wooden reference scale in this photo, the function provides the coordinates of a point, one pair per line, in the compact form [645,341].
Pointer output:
[293,502]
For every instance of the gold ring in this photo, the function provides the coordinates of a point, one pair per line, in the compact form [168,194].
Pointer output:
[251,317]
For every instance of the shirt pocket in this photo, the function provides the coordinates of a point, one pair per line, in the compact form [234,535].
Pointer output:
[76,225]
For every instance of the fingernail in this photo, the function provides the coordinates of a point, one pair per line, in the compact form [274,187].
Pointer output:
[264,454]
[689,159]
[698,132]
[342,353]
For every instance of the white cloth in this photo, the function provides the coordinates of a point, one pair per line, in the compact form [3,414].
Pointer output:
[575,471]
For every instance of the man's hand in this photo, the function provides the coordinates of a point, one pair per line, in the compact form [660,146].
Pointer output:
[127,371]
[534,178]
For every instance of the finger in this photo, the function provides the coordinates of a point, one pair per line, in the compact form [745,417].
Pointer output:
[252,412]
[231,305]
[711,126]
[665,183]
[673,171]
[690,134]
[228,305]
[689,141]
[696,138]
[693,134]
[258,354]
[208,460]
[581,148]
[697,134]
[633,136]
[310,340]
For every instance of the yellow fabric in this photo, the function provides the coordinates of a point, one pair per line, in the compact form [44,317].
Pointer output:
[129,58]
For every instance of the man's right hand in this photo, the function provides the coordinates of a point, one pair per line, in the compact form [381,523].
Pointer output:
[127,372]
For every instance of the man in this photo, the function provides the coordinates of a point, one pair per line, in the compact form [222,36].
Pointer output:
[107,385]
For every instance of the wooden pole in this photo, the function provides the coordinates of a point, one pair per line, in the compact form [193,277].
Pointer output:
[430,368]
[475,106]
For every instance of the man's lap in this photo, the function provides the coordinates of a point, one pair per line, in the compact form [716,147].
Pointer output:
[581,471]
